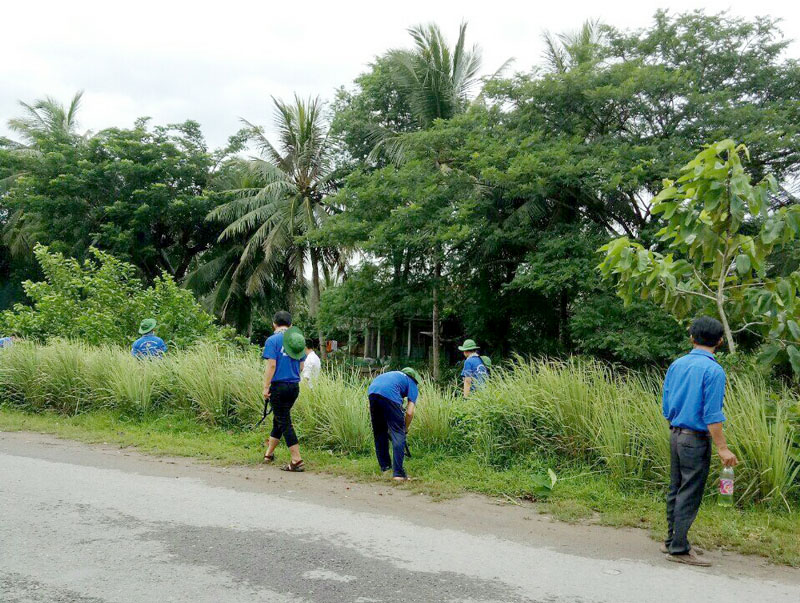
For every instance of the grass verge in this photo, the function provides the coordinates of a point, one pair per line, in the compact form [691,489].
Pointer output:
[582,494]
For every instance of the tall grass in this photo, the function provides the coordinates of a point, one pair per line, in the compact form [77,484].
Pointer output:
[575,409]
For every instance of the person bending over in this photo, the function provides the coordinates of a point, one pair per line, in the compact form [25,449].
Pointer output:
[389,421]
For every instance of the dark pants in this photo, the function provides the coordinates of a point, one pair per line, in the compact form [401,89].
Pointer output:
[282,397]
[690,460]
[388,421]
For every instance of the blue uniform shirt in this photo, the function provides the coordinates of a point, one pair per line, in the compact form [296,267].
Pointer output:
[287,369]
[148,345]
[475,368]
[693,391]
[395,386]
[6,342]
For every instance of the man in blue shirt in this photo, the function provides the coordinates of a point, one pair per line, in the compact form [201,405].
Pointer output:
[694,389]
[6,342]
[386,393]
[474,372]
[148,345]
[284,352]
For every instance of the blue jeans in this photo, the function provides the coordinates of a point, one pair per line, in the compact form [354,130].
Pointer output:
[388,421]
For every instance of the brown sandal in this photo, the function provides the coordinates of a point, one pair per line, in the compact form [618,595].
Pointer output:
[297,467]
[268,459]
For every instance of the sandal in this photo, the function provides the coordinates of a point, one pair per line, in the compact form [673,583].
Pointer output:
[268,459]
[298,467]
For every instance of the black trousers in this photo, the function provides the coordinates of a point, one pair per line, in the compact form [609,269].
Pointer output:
[690,460]
[282,397]
[388,421]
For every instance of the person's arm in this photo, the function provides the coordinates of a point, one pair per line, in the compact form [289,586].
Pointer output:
[728,458]
[713,396]
[410,414]
[269,372]
[467,386]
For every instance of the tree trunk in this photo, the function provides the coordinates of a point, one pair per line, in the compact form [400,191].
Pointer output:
[563,319]
[315,295]
[724,318]
[724,269]
[437,271]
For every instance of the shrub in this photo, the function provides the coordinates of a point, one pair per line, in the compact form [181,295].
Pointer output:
[100,301]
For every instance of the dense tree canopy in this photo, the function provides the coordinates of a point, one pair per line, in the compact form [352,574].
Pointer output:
[427,193]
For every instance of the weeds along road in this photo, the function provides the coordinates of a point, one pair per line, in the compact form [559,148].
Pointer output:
[87,524]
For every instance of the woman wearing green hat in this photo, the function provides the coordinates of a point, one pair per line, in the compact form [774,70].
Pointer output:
[148,345]
[386,393]
[285,353]
[475,371]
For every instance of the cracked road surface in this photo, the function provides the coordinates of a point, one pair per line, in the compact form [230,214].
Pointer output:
[90,524]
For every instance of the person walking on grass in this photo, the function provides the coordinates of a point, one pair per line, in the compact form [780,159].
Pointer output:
[312,366]
[284,352]
[694,388]
[148,345]
[389,421]
[475,371]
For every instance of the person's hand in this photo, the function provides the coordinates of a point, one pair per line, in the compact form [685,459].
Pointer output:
[266,393]
[728,458]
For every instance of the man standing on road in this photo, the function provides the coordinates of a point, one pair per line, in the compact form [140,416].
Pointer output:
[693,392]
[312,366]
[148,345]
[386,393]
[284,352]
[474,372]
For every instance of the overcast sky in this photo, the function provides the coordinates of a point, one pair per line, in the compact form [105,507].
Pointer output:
[218,61]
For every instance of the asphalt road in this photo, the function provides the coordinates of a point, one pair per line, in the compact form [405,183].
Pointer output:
[94,524]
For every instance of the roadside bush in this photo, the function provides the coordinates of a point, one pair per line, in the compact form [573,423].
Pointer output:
[101,301]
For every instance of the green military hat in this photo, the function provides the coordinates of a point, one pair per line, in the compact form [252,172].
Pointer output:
[469,346]
[294,343]
[412,373]
[147,325]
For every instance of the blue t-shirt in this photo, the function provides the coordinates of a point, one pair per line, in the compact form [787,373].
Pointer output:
[475,368]
[693,391]
[394,385]
[287,369]
[148,345]
[6,342]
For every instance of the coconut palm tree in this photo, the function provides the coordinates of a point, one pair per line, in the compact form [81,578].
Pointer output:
[565,51]
[44,119]
[281,201]
[438,81]
[437,78]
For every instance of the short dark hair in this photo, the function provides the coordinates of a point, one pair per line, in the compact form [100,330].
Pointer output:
[311,343]
[706,331]
[282,319]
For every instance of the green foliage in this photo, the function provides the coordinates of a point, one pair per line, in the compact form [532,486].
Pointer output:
[720,235]
[101,301]
[139,193]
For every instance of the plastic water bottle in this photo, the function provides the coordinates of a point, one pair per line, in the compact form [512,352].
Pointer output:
[726,487]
